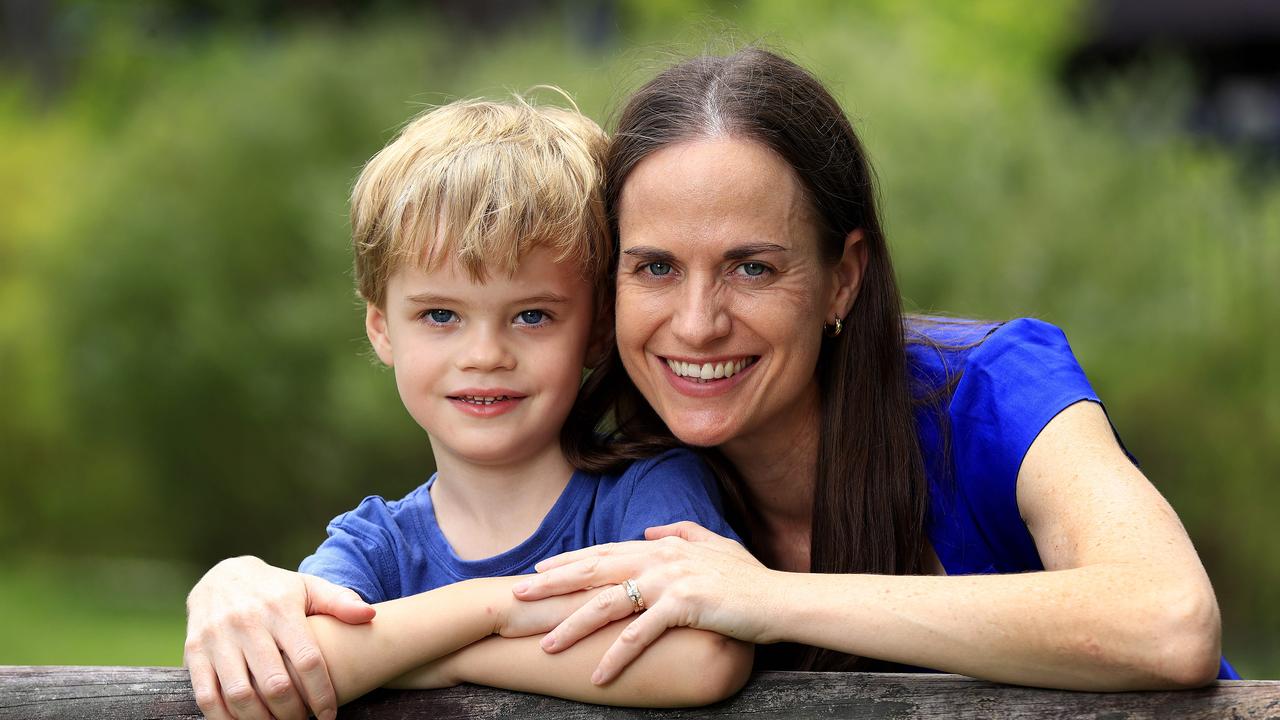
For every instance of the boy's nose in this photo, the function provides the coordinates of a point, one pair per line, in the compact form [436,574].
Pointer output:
[486,350]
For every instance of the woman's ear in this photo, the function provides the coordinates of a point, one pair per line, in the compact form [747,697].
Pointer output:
[848,276]
[375,326]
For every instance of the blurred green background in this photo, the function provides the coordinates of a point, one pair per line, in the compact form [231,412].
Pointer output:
[183,369]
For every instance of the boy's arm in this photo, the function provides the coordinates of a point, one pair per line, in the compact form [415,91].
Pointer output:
[410,631]
[680,669]
[689,668]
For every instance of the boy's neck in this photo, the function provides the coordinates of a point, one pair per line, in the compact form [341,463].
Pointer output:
[484,510]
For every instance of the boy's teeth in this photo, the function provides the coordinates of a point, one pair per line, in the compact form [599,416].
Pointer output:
[482,399]
[708,371]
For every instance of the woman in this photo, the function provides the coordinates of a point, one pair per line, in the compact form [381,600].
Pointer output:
[867,457]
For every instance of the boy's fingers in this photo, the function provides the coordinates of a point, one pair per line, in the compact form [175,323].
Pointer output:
[637,636]
[204,684]
[608,605]
[271,679]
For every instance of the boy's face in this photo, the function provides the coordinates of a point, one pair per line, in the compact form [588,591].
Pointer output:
[490,370]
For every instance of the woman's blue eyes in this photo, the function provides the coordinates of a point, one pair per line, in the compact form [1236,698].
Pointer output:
[748,269]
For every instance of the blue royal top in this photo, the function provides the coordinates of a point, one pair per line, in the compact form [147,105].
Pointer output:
[1011,379]
[390,549]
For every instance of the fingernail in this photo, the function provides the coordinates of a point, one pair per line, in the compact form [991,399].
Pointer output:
[329,715]
[548,642]
[597,677]
[520,587]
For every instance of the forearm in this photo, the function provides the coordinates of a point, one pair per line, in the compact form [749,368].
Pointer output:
[684,667]
[1099,627]
[408,632]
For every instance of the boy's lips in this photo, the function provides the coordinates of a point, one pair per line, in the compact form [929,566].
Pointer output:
[486,402]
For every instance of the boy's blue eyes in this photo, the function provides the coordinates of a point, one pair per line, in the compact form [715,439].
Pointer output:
[525,317]
[531,317]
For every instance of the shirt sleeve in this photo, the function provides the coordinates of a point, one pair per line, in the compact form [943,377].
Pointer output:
[669,488]
[1016,381]
[359,552]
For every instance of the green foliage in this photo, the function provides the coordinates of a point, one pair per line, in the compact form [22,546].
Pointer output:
[182,356]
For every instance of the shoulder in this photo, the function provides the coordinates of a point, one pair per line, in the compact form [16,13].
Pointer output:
[676,485]
[375,514]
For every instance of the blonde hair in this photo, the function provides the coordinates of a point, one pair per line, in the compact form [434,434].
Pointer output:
[484,183]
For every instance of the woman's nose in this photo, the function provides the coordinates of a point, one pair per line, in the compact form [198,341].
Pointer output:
[486,349]
[701,317]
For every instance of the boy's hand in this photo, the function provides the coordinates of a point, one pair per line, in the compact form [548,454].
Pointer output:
[522,618]
[245,618]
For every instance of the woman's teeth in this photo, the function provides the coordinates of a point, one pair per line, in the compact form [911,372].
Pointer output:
[709,371]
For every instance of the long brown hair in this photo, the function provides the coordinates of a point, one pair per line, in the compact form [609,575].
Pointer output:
[870,495]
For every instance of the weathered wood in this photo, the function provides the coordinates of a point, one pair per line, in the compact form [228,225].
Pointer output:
[120,693]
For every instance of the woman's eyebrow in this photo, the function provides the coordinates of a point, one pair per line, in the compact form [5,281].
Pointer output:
[651,254]
[742,252]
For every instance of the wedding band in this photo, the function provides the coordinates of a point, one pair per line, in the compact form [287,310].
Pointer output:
[633,592]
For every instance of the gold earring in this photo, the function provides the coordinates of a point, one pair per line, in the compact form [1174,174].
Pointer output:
[834,329]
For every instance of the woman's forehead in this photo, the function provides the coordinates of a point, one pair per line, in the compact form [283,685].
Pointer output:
[714,189]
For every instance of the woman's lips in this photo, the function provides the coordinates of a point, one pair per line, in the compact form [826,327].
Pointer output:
[707,378]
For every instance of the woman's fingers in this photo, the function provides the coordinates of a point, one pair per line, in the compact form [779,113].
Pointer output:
[239,695]
[589,572]
[204,684]
[617,548]
[310,674]
[275,688]
[608,605]
[637,636]
[691,531]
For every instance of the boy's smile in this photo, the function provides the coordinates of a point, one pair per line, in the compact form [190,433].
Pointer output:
[490,369]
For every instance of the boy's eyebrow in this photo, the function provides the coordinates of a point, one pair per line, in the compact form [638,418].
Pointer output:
[547,298]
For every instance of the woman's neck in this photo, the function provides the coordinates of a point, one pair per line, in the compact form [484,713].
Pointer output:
[484,510]
[778,468]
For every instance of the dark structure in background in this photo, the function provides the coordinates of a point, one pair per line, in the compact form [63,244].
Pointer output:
[1231,47]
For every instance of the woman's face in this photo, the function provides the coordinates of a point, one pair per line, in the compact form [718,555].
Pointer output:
[722,293]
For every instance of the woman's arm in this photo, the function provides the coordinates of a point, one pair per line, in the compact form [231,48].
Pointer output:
[1124,602]
[689,668]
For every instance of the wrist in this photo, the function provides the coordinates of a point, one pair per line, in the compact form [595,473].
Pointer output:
[771,587]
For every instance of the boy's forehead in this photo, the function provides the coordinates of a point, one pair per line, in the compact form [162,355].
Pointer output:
[537,272]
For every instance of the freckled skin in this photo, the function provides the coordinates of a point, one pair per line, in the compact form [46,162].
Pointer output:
[695,201]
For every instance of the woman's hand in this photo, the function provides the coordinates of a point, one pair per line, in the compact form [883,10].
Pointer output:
[247,635]
[687,576]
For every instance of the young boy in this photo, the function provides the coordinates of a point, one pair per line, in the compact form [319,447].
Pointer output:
[482,255]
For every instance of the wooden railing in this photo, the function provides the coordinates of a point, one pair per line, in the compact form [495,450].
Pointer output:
[120,693]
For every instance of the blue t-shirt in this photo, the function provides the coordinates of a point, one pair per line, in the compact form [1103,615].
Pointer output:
[1013,378]
[385,550]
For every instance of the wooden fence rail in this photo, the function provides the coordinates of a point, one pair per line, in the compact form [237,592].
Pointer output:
[119,693]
